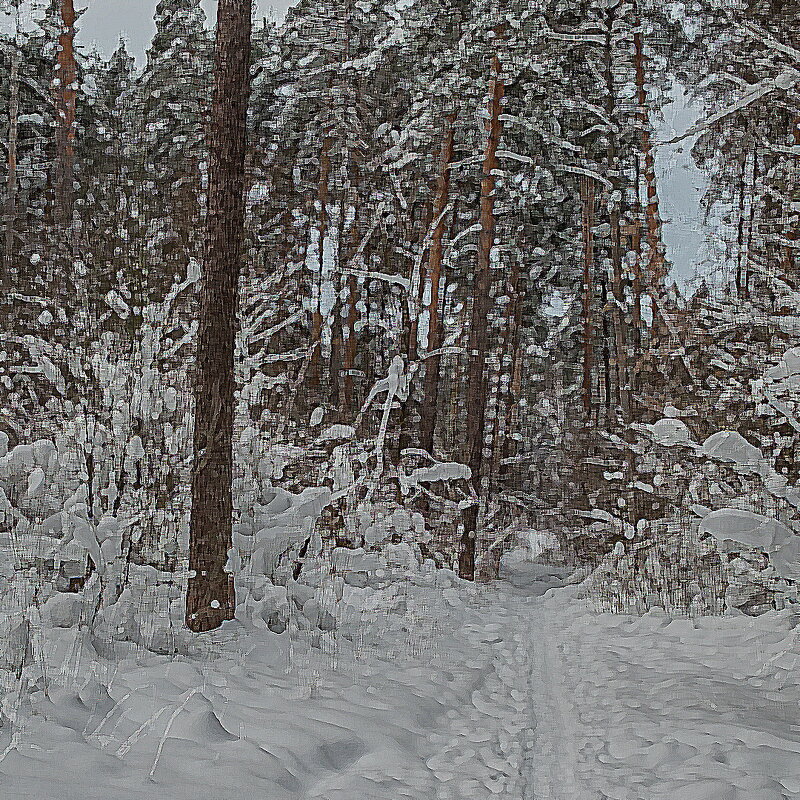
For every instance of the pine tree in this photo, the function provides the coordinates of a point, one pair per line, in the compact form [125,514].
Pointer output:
[210,595]
[172,101]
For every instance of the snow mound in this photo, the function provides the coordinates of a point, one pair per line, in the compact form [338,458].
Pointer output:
[670,432]
[733,526]
[732,446]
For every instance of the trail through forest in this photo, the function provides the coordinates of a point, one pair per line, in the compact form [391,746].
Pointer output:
[464,691]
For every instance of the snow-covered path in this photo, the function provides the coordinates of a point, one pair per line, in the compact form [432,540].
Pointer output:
[501,691]
[433,702]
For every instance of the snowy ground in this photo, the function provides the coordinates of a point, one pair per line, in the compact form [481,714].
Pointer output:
[507,691]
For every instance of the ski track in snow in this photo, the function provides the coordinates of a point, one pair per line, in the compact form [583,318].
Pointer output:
[503,691]
[433,704]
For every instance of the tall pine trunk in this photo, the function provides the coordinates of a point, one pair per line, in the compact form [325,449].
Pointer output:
[316,291]
[410,412]
[435,257]
[751,225]
[656,263]
[347,398]
[510,366]
[478,344]
[65,94]
[792,234]
[587,204]
[740,229]
[11,169]
[210,596]
[614,217]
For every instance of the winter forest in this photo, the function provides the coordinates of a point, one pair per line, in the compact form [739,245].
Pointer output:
[360,438]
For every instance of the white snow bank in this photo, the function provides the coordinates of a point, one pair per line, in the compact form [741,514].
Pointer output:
[670,432]
[733,526]
[426,701]
[664,709]
[788,365]
[732,446]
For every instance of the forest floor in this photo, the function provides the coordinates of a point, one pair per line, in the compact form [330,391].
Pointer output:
[514,690]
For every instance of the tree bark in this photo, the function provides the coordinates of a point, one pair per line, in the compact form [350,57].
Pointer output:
[510,369]
[65,90]
[751,226]
[740,230]
[210,596]
[11,174]
[316,291]
[588,201]
[347,399]
[656,263]
[477,347]
[617,292]
[793,234]
[435,258]
[410,410]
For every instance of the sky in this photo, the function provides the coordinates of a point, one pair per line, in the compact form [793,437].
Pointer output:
[680,189]
[105,20]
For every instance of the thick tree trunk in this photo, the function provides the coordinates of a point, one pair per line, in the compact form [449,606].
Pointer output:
[637,287]
[410,412]
[435,258]
[347,399]
[510,370]
[478,345]
[606,347]
[751,226]
[656,263]
[740,230]
[793,232]
[333,321]
[210,597]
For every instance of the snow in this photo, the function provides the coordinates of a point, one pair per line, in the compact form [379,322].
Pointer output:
[425,688]
[737,527]
[670,432]
[732,446]
[440,471]
[336,432]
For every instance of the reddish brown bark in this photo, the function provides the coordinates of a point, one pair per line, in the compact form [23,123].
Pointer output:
[512,363]
[350,346]
[11,168]
[350,341]
[751,225]
[619,325]
[793,233]
[740,230]
[435,257]
[587,201]
[316,293]
[656,262]
[65,96]
[477,346]
[210,595]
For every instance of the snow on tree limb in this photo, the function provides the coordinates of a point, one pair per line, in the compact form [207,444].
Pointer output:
[784,81]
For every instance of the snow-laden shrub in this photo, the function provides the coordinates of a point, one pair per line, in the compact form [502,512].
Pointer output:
[667,565]
[118,411]
[148,615]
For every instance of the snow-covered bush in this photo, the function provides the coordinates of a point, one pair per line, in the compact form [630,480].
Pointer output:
[668,565]
[692,503]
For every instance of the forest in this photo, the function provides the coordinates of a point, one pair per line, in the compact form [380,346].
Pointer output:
[294,311]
